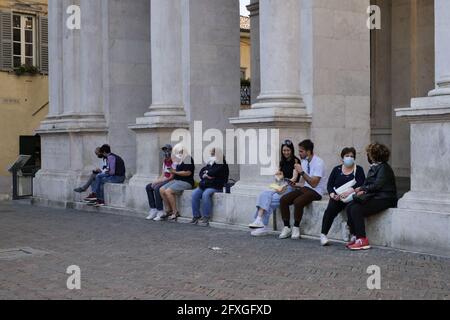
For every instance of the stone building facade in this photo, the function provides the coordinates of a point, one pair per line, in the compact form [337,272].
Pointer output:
[137,71]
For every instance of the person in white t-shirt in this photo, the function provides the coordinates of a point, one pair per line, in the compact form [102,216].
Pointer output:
[312,187]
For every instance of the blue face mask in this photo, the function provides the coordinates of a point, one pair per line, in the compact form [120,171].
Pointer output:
[349,162]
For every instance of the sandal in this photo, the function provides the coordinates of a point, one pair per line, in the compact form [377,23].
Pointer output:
[174,216]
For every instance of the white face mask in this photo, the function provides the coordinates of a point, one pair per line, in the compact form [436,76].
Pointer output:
[212,160]
[179,156]
[349,162]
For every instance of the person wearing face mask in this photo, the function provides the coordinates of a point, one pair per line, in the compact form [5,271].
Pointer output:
[183,180]
[101,169]
[154,197]
[348,173]
[213,178]
[378,193]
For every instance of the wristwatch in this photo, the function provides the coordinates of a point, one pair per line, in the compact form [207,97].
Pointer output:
[302,173]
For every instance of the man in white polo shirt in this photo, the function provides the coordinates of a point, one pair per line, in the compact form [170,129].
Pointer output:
[312,171]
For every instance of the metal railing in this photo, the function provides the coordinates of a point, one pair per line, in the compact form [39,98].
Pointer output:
[246,95]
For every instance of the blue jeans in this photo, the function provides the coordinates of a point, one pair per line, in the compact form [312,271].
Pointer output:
[206,196]
[100,181]
[95,182]
[269,201]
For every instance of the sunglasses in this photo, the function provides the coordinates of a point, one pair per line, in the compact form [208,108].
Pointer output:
[288,143]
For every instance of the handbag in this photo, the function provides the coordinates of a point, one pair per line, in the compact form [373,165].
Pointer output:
[346,187]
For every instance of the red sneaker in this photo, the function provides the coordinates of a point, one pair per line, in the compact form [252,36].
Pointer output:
[91,197]
[352,241]
[360,244]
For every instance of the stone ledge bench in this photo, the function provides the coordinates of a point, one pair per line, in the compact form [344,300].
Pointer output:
[238,210]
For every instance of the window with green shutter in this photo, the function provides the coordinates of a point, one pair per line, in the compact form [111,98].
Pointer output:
[23,41]
[6,41]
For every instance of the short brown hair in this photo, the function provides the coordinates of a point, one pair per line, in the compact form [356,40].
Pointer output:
[347,151]
[378,152]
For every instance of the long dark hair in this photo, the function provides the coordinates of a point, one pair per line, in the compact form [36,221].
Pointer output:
[289,144]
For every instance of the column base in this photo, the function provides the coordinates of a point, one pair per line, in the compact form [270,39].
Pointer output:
[73,123]
[295,128]
[436,202]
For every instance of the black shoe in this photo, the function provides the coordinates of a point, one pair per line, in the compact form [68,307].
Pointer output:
[79,190]
[195,220]
[204,222]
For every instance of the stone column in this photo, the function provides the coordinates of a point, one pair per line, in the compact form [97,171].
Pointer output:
[55,9]
[429,118]
[167,111]
[442,44]
[76,123]
[280,104]
[91,74]
[255,54]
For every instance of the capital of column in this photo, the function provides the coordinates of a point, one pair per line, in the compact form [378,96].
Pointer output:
[253,8]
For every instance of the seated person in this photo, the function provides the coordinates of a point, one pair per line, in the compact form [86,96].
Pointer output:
[213,178]
[183,180]
[347,175]
[115,174]
[378,193]
[270,199]
[102,168]
[312,171]
[154,197]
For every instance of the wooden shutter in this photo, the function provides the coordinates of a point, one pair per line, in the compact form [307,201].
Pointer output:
[43,44]
[6,60]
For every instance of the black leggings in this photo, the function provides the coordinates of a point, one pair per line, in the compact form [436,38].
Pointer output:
[333,210]
[358,212]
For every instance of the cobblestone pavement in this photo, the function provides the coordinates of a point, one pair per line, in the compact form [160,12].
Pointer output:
[129,258]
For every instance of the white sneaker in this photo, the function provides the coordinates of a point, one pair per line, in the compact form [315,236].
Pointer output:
[258,224]
[152,214]
[295,233]
[261,232]
[324,240]
[286,233]
[159,216]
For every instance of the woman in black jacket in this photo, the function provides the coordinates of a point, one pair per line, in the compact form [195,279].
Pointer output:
[213,178]
[348,173]
[378,193]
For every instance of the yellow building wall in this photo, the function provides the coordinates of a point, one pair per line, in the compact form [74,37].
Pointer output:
[27,6]
[21,98]
[246,55]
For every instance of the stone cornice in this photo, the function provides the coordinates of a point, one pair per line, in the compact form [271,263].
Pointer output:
[428,109]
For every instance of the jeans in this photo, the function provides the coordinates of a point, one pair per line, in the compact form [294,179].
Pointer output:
[206,196]
[269,201]
[154,197]
[100,181]
[96,181]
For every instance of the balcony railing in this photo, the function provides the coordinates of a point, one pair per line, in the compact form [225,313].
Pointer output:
[246,99]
